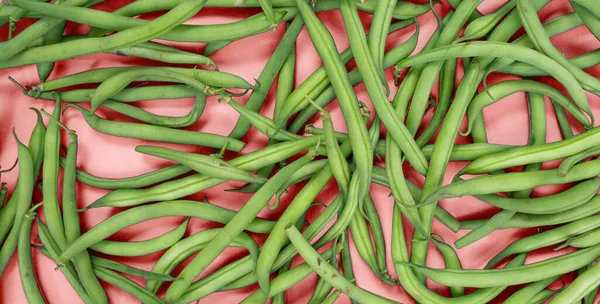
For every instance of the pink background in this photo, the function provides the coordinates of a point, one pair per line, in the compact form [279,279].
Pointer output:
[114,157]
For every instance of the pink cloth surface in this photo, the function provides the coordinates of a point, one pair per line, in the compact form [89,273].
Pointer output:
[115,157]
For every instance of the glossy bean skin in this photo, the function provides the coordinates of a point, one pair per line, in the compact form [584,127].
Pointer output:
[139,248]
[523,274]
[28,277]
[127,285]
[188,246]
[327,272]
[210,166]
[496,49]
[157,210]
[195,183]
[336,71]
[23,203]
[132,36]
[157,133]
[237,224]
[72,227]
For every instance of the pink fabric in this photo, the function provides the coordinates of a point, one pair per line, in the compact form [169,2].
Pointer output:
[114,157]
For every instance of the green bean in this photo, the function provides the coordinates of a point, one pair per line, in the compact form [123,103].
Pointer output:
[581,286]
[237,224]
[336,158]
[430,71]
[367,69]
[210,166]
[332,298]
[527,293]
[336,71]
[143,213]
[323,288]
[524,274]
[440,155]
[127,95]
[590,20]
[377,231]
[452,262]
[28,277]
[446,88]
[267,8]
[382,17]
[480,27]
[71,222]
[36,148]
[525,70]
[14,46]
[563,121]
[533,26]
[126,285]
[198,182]
[139,248]
[390,58]
[587,239]
[572,198]
[570,161]
[318,83]
[285,80]
[67,269]
[268,74]
[506,50]
[163,53]
[547,238]
[116,266]
[159,120]
[214,46]
[262,123]
[280,297]
[55,35]
[327,272]
[194,243]
[128,37]
[157,133]
[23,203]
[506,88]
[139,181]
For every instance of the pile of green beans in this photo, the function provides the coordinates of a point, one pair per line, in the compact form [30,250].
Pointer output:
[392,141]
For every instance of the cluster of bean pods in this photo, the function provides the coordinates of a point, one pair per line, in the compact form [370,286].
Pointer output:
[442,80]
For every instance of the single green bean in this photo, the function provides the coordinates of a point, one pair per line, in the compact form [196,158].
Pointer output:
[480,27]
[116,266]
[570,161]
[527,293]
[581,286]
[28,277]
[126,285]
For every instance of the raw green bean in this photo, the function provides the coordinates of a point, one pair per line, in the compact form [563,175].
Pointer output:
[28,277]
[194,243]
[587,239]
[72,228]
[570,161]
[285,80]
[323,288]
[116,266]
[327,272]
[591,20]
[336,71]
[143,213]
[195,183]
[585,283]
[280,297]
[523,274]
[382,17]
[267,8]
[526,70]
[214,46]
[336,158]
[268,74]
[55,35]
[563,121]
[367,68]
[127,95]
[237,224]
[138,248]
[481,26]
[527,293]
[23,203]
[377,231]
[211,166]
[506,50]
[506,88]
[262,123]
[452,262]
[157,133]
[128,37]
[547,238]
[126,285]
